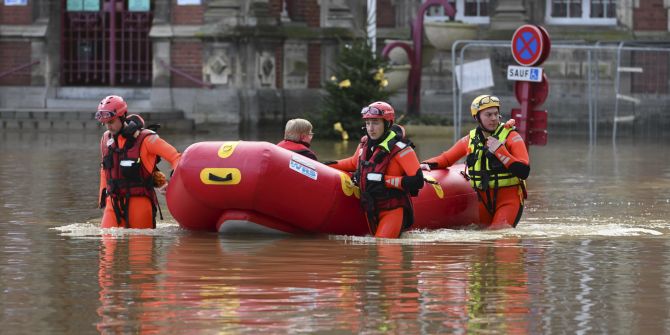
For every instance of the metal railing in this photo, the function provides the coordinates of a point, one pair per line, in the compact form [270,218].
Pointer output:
[600,76]
[185,75]
[18,68]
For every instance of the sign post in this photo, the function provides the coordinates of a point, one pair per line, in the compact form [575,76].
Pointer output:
[530,48]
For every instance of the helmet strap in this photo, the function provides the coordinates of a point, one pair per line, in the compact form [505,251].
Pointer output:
[478,119]
[387,126]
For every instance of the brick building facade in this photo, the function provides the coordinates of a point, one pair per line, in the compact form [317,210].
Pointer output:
[14,52]
[263,58]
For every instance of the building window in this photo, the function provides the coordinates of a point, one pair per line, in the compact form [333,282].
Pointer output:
[603,9]
[469,11]
[581,12]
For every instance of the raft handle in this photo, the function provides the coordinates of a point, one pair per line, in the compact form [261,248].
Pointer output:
[214,177]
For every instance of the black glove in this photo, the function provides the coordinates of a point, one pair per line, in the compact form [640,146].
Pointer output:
[431,166]
[413,184]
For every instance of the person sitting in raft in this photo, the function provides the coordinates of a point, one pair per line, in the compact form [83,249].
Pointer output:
[298,137]
[387,171]
[497,164]
[128,172]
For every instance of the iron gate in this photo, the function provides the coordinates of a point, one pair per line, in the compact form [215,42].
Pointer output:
[106,43]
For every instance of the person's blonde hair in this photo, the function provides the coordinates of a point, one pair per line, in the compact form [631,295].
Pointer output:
[296,128]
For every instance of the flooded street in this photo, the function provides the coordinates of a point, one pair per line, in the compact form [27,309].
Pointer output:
[590,255]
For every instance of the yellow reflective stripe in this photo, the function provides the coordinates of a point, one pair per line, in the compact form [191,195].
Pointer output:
[504,179]
[385,143]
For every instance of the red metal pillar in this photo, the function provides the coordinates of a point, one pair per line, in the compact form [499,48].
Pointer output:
[112,42]
[415,53]
[522,117]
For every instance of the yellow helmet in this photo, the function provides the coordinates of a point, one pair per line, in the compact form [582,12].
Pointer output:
[483,102]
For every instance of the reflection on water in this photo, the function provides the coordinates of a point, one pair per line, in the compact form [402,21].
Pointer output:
[589,256]
[246,284]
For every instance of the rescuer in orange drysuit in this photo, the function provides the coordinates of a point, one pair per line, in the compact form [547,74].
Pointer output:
[387,171]
[497,164]
[128,172]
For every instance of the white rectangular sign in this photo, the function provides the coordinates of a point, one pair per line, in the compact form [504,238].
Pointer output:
[188,2]
[476,75]
[524,73]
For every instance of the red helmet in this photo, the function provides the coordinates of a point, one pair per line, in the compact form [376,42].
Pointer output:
[110,108]
[378,109]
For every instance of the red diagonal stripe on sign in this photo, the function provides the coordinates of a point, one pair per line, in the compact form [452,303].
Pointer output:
[526,45]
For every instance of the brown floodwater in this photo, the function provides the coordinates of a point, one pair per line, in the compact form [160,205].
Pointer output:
[590,255]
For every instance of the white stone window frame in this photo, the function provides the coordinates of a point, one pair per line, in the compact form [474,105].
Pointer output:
[460,9]
[584,20]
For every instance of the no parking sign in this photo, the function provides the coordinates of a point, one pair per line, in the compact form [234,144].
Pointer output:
[530,45]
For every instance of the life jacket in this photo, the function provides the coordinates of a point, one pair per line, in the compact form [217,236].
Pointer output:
[376,162]
[126,175]
[301,148]
[484,169]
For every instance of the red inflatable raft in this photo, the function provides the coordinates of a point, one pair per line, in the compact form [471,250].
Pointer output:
[258,187]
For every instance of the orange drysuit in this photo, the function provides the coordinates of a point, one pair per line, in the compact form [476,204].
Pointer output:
[403,163]
[507,202]
[140,212]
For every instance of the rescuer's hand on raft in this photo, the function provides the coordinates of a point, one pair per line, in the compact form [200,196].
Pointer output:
[160,182]
[493,144]
[159,179]
[428,166]
[162,190]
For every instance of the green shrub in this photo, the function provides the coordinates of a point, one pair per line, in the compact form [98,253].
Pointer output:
[358,80]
